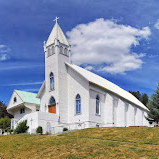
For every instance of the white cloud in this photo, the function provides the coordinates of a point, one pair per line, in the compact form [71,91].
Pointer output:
[4,48]
[89,68]
[24,84]
[4,57]
[31,90]
[13,67]
[105,45]
[157,24]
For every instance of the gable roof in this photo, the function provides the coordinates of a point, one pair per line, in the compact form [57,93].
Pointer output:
[58,34]
[28,97]
[41,90]
[95,79]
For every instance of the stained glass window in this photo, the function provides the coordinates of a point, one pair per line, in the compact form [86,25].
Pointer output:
[51,81]
[78,104]
[52,101]
[97,104]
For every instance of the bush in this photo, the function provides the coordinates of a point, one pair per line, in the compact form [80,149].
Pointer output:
[10,131]
[5,123]
[21,128]
[39,130]
[65,129]
[48,133]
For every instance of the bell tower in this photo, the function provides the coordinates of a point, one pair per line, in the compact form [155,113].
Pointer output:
[57,53]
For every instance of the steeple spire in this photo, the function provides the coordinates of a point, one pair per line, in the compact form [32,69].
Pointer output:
[57,34]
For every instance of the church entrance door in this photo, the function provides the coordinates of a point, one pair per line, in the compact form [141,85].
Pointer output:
[52,109]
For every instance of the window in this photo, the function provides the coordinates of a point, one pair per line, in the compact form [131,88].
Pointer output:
[15,99]
[51,81]
[52,101]
[37,108]
[61,50]
[78,104]
[97,105]
[22,110]
[65,51]
[49,52]
[53,50]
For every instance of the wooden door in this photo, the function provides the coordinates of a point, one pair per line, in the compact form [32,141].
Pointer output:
[52,109]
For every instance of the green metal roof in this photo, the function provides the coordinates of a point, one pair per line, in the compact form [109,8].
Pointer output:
[28,97]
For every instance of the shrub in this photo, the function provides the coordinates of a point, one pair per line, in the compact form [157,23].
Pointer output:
[10,131]
[65,129]
[5,123]
[21,128]
[39,130]
[48,133]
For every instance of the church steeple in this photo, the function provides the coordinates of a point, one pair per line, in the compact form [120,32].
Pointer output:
[57,34]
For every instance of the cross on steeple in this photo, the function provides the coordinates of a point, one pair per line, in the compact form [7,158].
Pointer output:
[56,19]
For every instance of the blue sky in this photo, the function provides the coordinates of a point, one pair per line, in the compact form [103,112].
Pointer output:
[132,26]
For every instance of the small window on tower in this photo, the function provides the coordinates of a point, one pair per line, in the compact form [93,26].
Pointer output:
[65,51]
[53,50]
[51,81]
[48,52]
[61,50]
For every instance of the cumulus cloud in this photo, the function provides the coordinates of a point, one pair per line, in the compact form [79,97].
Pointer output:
[4,57]
[4,50]
[157,24]
[104,45]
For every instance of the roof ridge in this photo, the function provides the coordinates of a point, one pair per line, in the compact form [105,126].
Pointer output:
[25,91]
[104,83]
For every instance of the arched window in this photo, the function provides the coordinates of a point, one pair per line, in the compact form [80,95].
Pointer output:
[78,104]
[61,50]
[15,99]
[52,101]
[65,51]
[51,81]
[49,52]
[53,50]
[97,104]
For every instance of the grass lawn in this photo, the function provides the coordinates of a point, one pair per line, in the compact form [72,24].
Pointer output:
[139,142]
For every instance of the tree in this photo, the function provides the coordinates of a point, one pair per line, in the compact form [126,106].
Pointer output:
[153,106]
[142,98]
[3,111]
[136,94]
[5,123]
[22,127]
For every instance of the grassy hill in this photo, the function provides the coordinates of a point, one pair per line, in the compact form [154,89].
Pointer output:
[106,143]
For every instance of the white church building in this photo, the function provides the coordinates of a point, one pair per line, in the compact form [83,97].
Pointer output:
[72,97]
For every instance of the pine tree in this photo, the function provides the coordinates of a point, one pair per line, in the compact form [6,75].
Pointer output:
[153,106]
